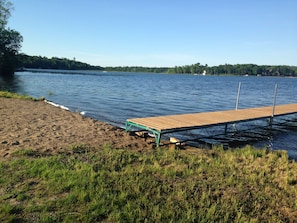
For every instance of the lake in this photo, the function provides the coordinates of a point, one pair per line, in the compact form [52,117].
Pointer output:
[115,96]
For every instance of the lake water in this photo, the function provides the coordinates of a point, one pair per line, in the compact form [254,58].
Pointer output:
[114,96]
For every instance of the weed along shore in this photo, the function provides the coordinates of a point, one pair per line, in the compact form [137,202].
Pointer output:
[59,166]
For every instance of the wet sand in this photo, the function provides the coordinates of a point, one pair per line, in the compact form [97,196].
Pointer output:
[39,126]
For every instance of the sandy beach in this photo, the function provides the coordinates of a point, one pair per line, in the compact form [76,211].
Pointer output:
[39,126]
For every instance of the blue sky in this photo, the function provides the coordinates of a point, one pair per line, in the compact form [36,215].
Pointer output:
[157,33]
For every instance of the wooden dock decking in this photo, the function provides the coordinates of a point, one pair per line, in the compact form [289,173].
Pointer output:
[173,123]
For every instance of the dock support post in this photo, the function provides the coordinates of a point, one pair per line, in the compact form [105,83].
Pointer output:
[156,133]
[236,106]
[273,107]
[127,126]
[158,139]
[238,94]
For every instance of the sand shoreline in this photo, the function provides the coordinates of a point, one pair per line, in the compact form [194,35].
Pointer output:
[37,125]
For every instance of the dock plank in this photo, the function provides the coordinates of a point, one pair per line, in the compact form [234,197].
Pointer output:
[163,123]
[172,123]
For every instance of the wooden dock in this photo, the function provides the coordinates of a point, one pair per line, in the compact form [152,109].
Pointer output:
[161,125]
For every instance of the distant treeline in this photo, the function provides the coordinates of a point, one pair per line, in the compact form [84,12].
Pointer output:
[238,69]
[38,62]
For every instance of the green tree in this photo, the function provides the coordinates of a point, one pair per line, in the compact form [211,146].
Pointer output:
[10,41]
[5,8]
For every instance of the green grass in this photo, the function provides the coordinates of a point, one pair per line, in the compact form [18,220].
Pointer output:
[7,94]
[109,185]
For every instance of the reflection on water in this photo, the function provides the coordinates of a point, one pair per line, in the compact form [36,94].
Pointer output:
[12,84]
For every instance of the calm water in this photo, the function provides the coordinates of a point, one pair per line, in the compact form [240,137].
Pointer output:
[113,96]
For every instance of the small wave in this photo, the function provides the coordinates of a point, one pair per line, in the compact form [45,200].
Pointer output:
[83,113]
[56,105]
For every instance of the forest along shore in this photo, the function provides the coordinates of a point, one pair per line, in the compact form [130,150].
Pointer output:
[36,125]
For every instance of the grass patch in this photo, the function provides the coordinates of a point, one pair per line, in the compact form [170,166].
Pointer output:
[109,185]
[7,94]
